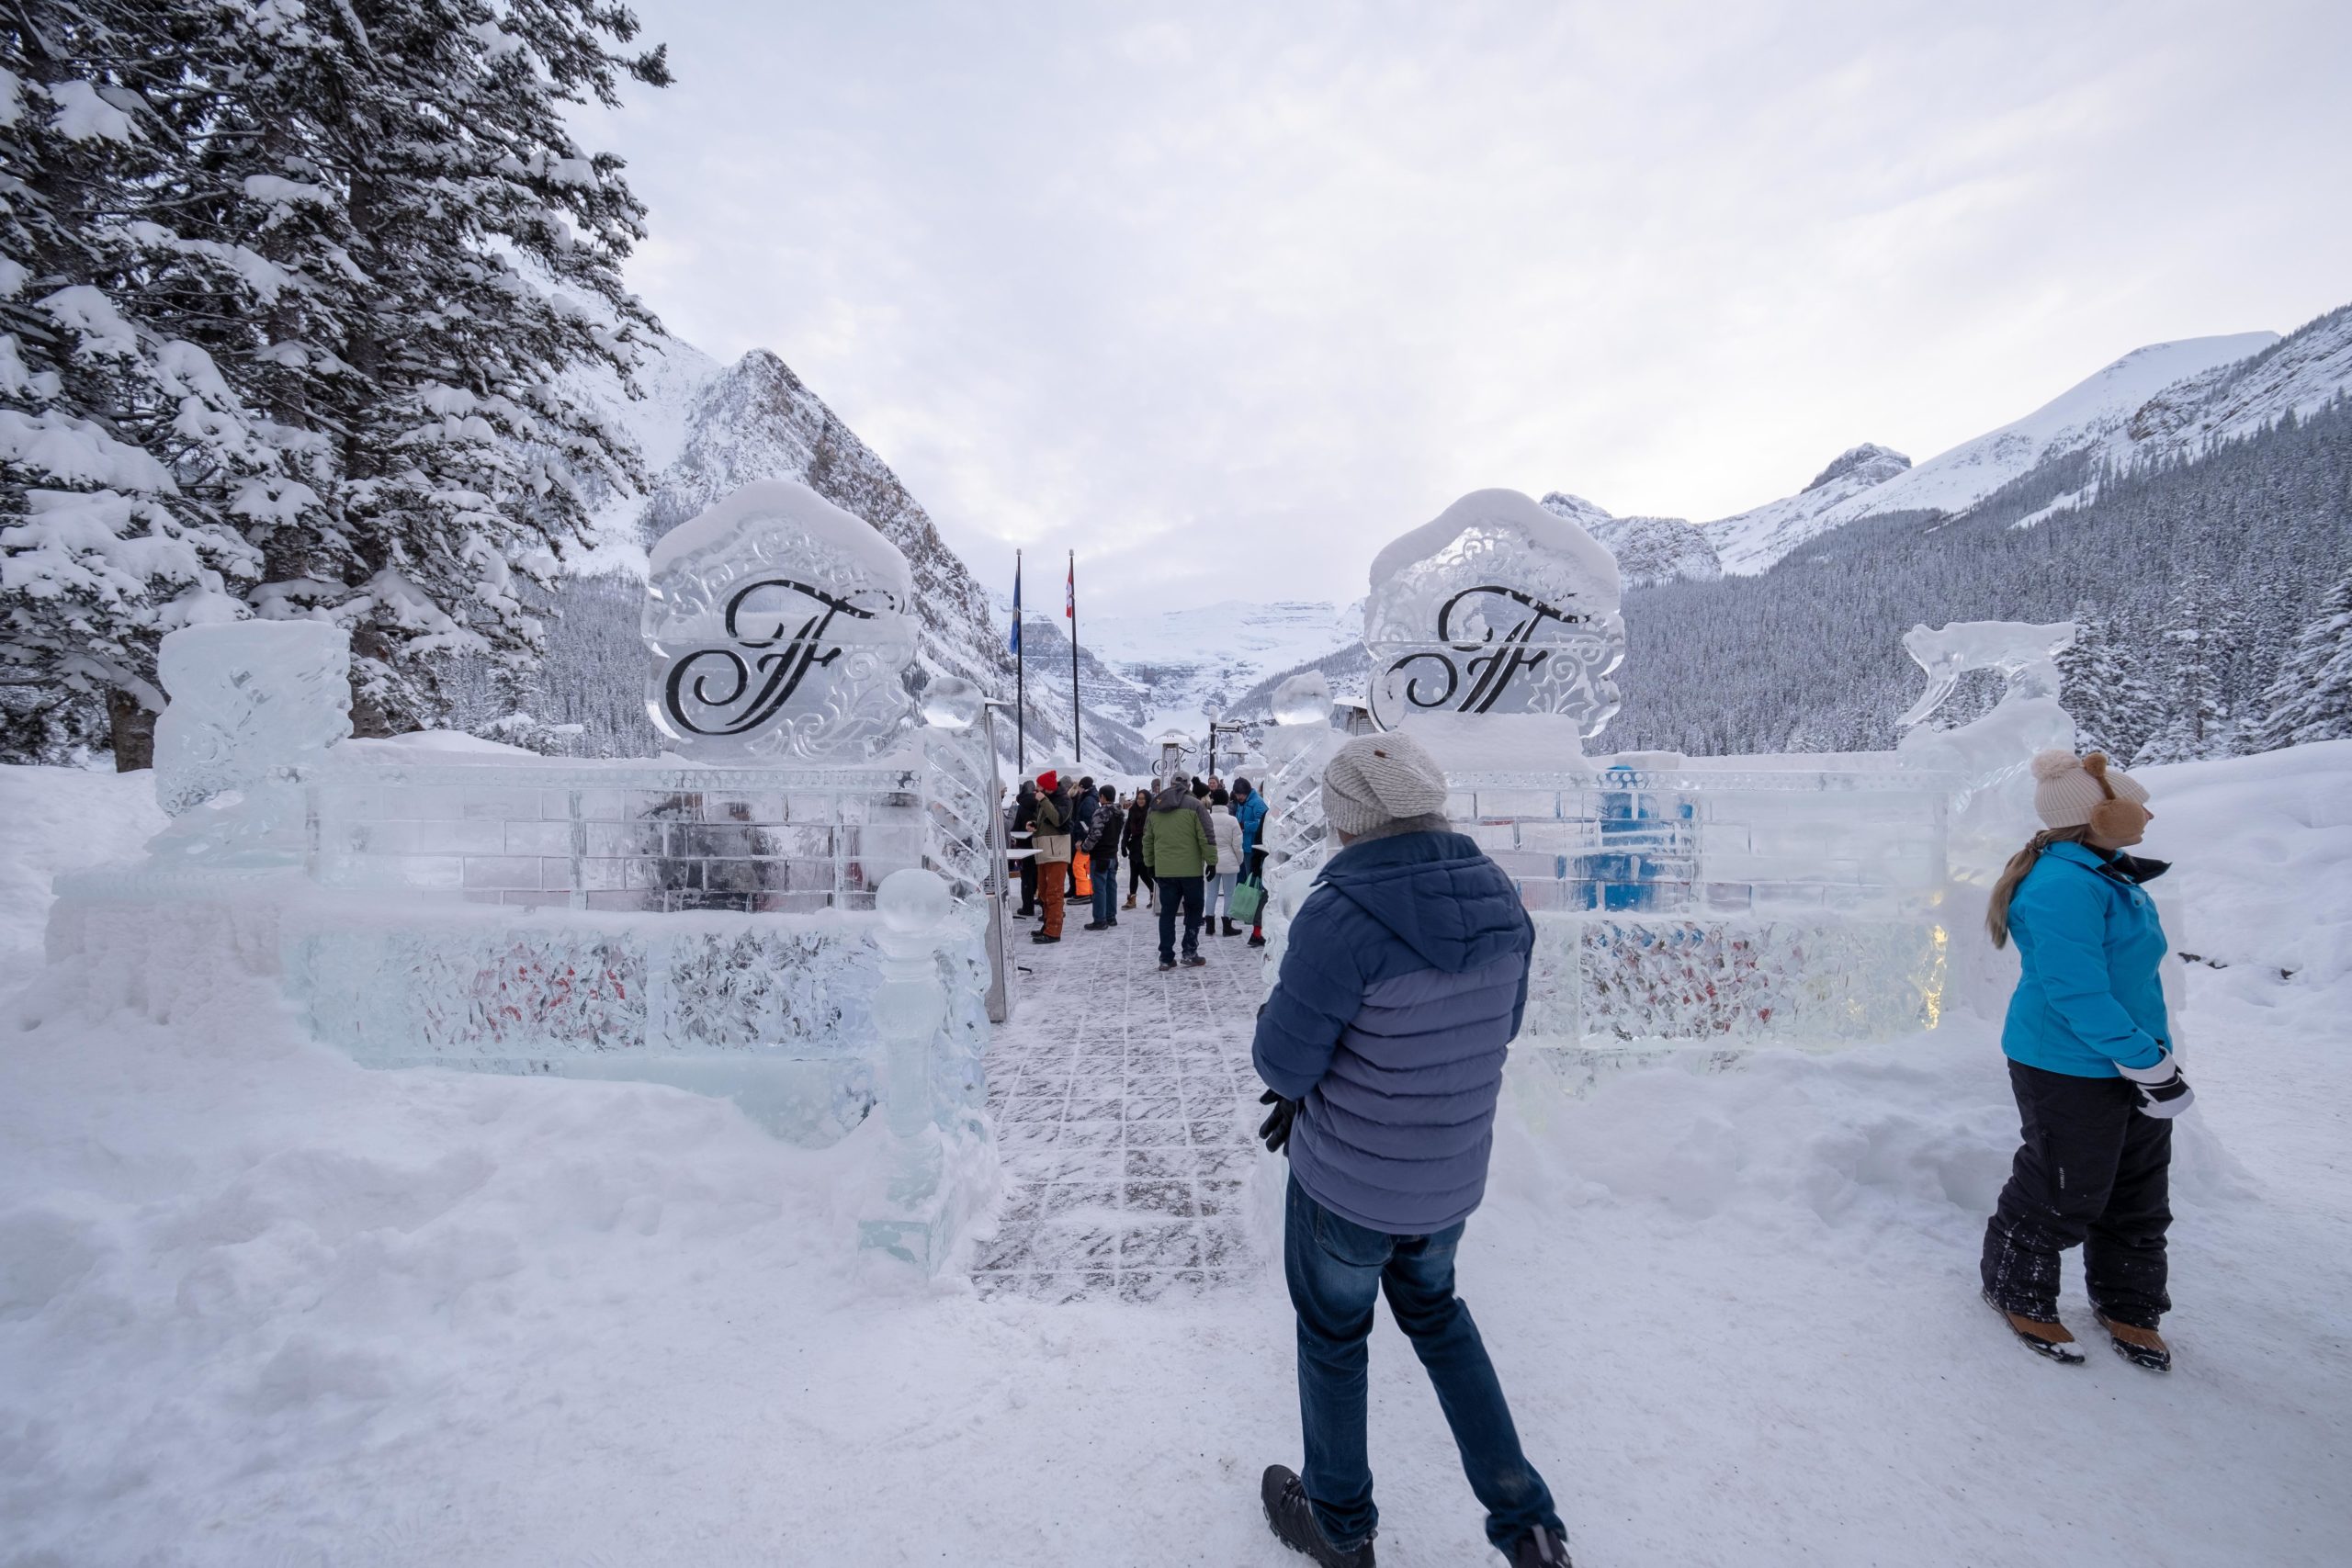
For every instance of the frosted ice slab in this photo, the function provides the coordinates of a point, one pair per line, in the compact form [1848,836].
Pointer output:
[779,627]
[1496,607]
[249,700]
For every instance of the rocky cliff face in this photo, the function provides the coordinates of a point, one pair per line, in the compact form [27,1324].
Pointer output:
[1649,550]
[756,420]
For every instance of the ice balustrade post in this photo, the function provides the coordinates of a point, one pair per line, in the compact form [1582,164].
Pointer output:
[918,1205]
[1296,746]
[252,703]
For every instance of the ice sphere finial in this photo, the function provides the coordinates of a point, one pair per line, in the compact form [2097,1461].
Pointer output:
[249,699]
[912,900]
[1304,698]
[951,703]
[1496,607]
[778,626]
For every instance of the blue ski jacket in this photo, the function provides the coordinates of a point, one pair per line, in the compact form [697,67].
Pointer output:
[1401,991]
[1251,815]
[2090,995]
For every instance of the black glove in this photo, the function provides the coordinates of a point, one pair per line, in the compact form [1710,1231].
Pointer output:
[1276,1129]
[2164,1093]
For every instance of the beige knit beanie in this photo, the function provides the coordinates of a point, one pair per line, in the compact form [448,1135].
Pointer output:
[2068,790]
[1380,778]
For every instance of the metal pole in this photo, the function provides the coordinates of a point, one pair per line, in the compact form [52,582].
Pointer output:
[1020,679]
[1000,992]
[1077,740]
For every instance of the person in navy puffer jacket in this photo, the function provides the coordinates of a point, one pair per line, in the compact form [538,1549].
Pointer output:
[1382,1047]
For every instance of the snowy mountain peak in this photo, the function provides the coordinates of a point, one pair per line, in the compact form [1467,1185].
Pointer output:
[1649,550]
[1871,481]
[1869,462]
[1576,508]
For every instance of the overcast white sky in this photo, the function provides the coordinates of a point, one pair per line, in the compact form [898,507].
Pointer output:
[1227,296]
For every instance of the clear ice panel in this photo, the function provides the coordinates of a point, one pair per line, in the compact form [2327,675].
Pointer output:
[1602,980]
[249,699]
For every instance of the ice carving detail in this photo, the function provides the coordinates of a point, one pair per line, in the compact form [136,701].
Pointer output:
[778,626]
[249,699]
[1496,607]
[1993,801]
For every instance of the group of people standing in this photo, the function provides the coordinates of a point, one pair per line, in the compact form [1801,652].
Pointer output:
[1190,850]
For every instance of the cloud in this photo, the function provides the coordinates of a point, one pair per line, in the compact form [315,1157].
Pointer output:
[1226,298]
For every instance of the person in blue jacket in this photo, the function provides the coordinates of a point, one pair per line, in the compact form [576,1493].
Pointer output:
[2090,1052]
[1249,809]
[1382,1045]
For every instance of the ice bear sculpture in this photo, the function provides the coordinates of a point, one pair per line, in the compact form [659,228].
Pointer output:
[1992,802]
[779,628]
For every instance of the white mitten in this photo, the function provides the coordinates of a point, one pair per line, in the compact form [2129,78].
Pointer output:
[2162,1091]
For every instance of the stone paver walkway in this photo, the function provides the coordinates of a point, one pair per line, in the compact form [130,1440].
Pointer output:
[1125,1105]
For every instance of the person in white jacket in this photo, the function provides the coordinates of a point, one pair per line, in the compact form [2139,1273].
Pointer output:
[1227,828]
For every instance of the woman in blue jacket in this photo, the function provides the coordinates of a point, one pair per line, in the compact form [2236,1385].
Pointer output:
[2091,1063]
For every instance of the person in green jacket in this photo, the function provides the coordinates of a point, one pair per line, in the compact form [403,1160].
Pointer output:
[1180,848]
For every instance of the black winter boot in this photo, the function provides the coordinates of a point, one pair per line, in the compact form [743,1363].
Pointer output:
[1539,1548]
[1230,930]
[1292,1518]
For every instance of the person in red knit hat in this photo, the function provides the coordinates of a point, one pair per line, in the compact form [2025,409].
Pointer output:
[1051,839]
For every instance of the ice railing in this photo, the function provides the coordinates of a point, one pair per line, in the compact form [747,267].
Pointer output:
[645,838]
[1695,840]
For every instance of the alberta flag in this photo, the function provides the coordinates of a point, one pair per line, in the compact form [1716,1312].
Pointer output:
[1015,644]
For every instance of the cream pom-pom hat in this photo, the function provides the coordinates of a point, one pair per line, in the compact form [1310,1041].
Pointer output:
[2078,791]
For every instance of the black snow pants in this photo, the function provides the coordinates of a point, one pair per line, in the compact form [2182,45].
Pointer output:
[2090,1171]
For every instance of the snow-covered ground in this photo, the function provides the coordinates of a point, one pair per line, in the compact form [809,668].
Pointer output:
[260,1307]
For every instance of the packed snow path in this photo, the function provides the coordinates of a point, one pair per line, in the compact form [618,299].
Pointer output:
[1122,1099]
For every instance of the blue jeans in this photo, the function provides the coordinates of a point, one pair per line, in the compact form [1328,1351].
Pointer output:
[1221,893]
[1336,1267]
[1105,872]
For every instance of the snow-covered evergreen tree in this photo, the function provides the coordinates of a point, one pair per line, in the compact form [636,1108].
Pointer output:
[2192,719]
[2311,699]
[292,291]
[117,435]
[2097,685]
[474,218]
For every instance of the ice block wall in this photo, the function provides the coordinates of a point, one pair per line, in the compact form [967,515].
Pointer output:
[629,837]
[1764,905]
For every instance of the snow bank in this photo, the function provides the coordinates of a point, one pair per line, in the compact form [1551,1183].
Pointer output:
[258,1305]
[54,820]
[2263,847]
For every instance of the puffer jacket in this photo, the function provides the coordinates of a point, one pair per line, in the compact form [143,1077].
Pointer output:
[1403,986]
[1251,812]
[2090,949]
[1052,836]
[1177,838]
[1227,829]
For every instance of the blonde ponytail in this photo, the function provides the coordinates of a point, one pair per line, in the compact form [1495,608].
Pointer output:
[1997,908]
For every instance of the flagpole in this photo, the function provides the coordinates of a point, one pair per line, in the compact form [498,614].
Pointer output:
[1020,679]
[1077,741]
